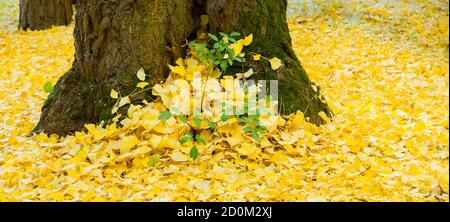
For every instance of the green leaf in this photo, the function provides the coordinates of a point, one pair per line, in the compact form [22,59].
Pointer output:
[223,34]
[199,51]
[212,58]
[260,130]
[211,124]
[197,121]
[257,132]
[247,129]
[224,118]
[194,153]
[224,44]
[185,139]
[153,160]
[231,52]
[235,34]
[224,65]
[243,119]
[164,115]
[256,136]
[48,87]
[184,120]
[200,139]
[213,37]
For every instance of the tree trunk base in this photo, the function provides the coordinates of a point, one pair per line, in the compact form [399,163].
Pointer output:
[114,39]
[66,109]
[43,14]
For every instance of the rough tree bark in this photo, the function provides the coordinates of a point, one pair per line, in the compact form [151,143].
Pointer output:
[114,39]
[43,14]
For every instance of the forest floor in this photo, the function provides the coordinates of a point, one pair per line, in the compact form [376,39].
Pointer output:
[382,66]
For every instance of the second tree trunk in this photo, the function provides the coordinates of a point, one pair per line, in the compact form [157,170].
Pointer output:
[43,14]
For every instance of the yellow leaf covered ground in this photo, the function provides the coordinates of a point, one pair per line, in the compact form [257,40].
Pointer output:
[382,66]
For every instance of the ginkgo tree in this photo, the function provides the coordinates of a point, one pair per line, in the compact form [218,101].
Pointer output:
[114,40]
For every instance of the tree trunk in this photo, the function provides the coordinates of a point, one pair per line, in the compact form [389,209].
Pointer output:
[43,14]
[114,39]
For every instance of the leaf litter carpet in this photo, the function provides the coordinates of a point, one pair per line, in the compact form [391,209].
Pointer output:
[382,66]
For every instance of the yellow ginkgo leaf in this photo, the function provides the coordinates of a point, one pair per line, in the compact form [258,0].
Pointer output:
[178,70]
[248,73]
[114,110]
[275,63]
[142,85]
[179,62]
[323,27]
[420,126]
[247,149]
[114,94]
[124,101]
[237,47]
[141,74]
[179,157]
[233,141]
[247,40]
[257,57]
[245,75]
[127,143]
